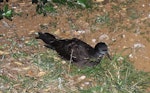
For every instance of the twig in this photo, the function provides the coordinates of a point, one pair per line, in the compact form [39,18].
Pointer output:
[70,60]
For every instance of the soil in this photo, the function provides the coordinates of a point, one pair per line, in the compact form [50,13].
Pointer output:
[128,35]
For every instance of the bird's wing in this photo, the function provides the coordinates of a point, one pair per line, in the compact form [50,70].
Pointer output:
[83,54]
[79,53]
[82,58]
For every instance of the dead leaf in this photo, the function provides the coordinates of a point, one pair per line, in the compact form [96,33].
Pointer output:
[3,52]
[30,73]
[57,32]
[40,74]
[98,0]
[26,42]
[26,68]
[18,63]
[31,32]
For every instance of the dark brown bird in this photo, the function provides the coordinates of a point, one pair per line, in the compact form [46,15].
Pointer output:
[79,52]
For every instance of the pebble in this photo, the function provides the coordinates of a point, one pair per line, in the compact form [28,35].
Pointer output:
[81,78]
[130,55]
[120,59]
[113,39]
[104,36]
[93,40]
[81,31]
[5,24]
[148,15]
[86,83]
[63,62]
[138,45]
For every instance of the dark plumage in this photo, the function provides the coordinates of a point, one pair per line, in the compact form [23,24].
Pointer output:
[79,52]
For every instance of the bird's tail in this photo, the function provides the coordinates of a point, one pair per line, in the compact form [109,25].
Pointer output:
[46,37]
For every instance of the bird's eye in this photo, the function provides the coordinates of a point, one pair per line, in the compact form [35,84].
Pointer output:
[104,50]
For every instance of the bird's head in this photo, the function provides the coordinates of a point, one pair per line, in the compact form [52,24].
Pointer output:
[102,50]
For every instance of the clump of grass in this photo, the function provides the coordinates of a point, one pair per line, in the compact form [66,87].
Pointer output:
[103,19]
[132,13]
[32,42]
[49,6]
[117,77]
[45,8]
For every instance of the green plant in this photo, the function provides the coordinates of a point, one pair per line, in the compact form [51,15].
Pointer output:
[82,3]
[6,12]
[32,42]
[117,77]
[133,13]
[45,8]
[85,3]
[103,19]
[49,7]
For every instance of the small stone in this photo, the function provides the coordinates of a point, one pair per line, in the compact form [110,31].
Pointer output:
[20,45]
[143,5]
[113,39]
[148,15]
[123,36]
[120,59]
[81,78]
[57,32]
[86,83]
[104,36]
[138,45]
[5,24]
[81,31]
[131,56]
[124,47]
[93,40]
[63,62]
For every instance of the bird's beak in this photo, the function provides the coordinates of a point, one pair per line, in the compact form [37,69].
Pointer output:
[107,54]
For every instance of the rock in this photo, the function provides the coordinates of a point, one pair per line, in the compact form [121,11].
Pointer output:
[120,59]
[131,56]
[81,31]
[104,36]
[5,24]
[138,45]
[93,40]
[81,78]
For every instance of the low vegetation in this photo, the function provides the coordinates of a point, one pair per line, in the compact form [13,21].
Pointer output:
[6,12]
[50,73]
[45,7]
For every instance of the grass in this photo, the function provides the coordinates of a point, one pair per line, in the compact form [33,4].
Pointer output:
[132,13]
[50,6]
[103,19]
[116,76]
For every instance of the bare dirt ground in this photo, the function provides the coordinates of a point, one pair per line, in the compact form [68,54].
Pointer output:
[127,35]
